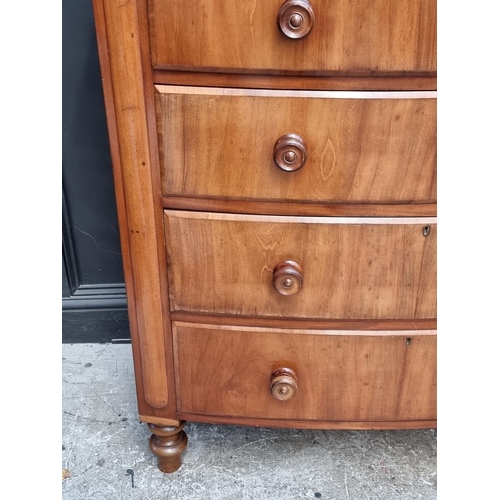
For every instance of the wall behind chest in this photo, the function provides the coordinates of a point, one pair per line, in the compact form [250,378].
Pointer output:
[93,290]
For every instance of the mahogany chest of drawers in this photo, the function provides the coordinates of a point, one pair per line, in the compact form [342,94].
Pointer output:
[275,173]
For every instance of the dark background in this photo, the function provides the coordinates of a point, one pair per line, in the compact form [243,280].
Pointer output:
[93,290]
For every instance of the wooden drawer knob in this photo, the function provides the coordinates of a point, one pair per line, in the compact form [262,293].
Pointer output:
[290,152]
[287,277]
[284,384]
[296,18]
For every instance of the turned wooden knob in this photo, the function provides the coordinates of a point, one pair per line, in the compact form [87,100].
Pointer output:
[290,152]
[284,384]
[296,18]
[287,277]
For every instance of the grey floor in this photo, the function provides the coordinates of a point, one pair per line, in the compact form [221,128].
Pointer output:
[105,454]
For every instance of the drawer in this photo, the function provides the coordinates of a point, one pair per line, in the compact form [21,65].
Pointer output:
[373,147]
[345,268]
[360,376]
[361,36]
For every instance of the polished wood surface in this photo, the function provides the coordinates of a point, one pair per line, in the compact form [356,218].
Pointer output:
[129,105]
[296,18]
[344,325]
[311,424]
[358,36]
[314,94]
[287,277]
[306,330]
[346,378]
[245,206]
[168,422]
[337,82]
[284,384]
[167,443]
[360,147]
[352,268]
[266,149]
[290,152]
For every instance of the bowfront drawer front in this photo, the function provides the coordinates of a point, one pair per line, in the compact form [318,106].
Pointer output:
[316,36]
[286,374]
[373,147]
[302,267]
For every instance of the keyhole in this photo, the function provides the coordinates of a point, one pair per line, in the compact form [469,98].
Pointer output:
[426,230]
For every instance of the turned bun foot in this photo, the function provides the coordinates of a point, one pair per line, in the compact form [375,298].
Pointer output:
[167,443]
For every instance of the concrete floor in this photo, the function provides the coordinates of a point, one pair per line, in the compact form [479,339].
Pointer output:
[106,454]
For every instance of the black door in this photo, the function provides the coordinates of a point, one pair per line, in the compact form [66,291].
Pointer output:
[93,291]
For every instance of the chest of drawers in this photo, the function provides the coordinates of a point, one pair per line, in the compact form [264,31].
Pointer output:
[275,173]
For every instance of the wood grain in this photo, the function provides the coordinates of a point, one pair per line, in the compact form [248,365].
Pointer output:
[305,329]
[310,323]
[249,81]
[181,214]
[149,100]
[340,378]
[167,443]
[352,268]
[311,424]
[356,36]
[159,420]
[312,94]
[246,206]
[119,27]
[369,284]
[363,147]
